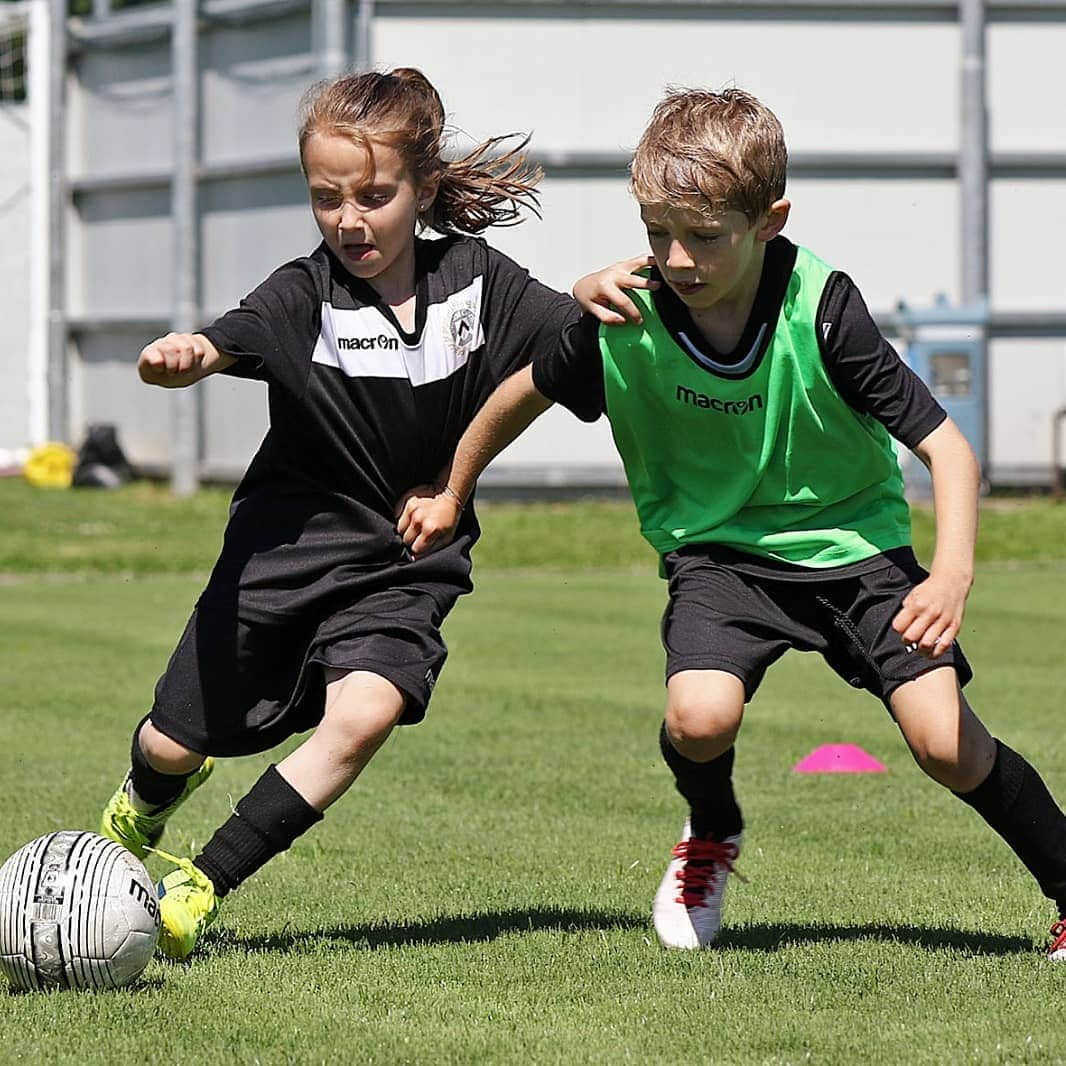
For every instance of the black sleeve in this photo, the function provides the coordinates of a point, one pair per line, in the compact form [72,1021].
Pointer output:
[274,330]
[867,371]
[522,317]
[571,373]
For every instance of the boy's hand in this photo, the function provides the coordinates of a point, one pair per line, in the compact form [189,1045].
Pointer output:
[602,294]
[428,518]
[931,615]
[173,360]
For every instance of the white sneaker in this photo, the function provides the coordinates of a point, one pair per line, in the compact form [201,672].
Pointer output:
[687,911]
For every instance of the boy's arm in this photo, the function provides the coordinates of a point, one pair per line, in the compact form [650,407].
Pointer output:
[180,359]
[602,294]
[429,523]
[931,615]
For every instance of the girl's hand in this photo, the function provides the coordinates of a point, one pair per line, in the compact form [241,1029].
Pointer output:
[428,519]
[174,360]
[603,294]
[931,615]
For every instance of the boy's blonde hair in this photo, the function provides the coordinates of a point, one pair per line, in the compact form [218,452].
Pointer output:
[711,152]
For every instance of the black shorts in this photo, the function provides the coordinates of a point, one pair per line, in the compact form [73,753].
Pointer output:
[237,686]
[721,619]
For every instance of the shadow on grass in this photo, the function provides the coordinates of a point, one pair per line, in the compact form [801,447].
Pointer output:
[772,936]
[481,928]
[449,929]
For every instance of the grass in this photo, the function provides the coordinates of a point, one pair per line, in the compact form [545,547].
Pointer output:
[142,529]
[482,894]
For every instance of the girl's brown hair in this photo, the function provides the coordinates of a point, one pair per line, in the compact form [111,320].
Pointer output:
[711,151]
[401,109]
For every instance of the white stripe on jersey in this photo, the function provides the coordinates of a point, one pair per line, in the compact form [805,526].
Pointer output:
[364,344]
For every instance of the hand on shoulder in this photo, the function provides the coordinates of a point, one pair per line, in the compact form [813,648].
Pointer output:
[602,294]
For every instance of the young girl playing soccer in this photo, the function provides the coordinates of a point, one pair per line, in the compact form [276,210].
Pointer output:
[378,349]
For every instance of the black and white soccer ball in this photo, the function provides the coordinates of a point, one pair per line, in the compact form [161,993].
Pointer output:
[76,911]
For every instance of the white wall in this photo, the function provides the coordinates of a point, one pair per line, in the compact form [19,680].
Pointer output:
[881,82]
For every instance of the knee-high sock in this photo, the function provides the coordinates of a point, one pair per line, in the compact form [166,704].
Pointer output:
[1016,804]
[265,822]
[708,787]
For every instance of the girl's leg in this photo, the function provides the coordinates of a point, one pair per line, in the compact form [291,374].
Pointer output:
[950,743]
[163,774]
[361,710]
[287,800]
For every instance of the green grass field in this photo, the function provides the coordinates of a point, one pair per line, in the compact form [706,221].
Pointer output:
[483,893]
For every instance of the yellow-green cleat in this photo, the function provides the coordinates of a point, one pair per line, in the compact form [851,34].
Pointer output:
[137,831]
[187,906]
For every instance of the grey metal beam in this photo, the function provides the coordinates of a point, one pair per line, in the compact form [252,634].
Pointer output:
[137,25]
[57,372]
[1037,323]
[185,403]
[362,40]
[846,164]
[329,36]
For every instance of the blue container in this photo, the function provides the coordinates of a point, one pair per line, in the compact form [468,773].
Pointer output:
[946,347]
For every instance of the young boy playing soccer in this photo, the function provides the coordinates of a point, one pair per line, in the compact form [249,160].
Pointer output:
[753,402]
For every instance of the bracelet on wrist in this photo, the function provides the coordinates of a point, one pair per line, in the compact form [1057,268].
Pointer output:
[447,490]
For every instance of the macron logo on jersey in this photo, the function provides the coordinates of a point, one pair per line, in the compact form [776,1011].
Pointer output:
[712,403]
[359,344]
[363,343]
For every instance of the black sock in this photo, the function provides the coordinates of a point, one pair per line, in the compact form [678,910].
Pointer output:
[149,784]
[708,787]
[1016,804]
[266,822]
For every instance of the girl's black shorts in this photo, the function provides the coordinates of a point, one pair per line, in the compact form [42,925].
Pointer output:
[238,685]
[720,618]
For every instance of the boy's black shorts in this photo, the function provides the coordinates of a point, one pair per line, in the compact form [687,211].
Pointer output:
[719,618]
[236,686]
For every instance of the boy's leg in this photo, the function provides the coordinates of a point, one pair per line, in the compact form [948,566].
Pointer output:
[288,799]
[163,774]
[703,715]
[951,744]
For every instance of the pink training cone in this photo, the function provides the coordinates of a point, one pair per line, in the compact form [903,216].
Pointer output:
[839,759]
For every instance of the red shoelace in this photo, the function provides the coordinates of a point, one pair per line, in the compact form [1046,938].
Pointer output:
[1058,936]
[703,861]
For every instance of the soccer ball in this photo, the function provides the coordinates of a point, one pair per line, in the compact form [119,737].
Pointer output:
[76,911]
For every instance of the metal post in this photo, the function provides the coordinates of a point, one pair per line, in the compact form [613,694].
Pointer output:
[973,177]
[186,405]
[101,8]
[329,34]
[38,95]
[362,46]
[973,156]
[58,395]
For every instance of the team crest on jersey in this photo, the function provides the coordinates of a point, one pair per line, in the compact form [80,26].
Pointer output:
[460,330]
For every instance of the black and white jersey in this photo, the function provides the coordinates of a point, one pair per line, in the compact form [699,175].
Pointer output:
[361,411]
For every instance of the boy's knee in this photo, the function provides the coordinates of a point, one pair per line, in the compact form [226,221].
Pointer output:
[702,721]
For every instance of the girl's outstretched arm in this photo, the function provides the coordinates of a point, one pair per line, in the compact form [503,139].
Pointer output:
[180,359]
